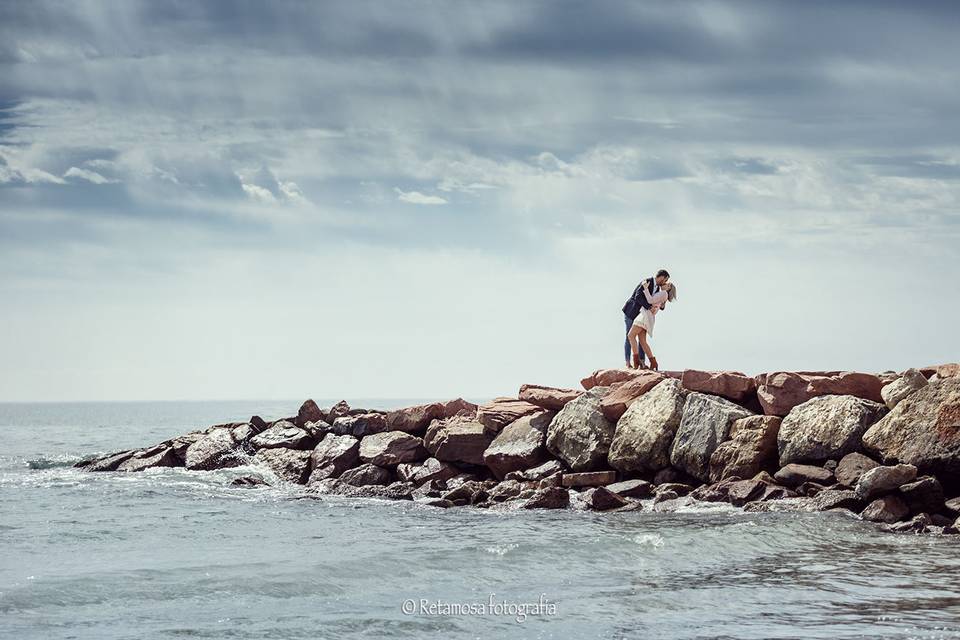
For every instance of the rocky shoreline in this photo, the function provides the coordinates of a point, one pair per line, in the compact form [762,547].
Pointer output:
[885,447]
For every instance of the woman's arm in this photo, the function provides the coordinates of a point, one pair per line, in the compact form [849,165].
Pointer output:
[656,299]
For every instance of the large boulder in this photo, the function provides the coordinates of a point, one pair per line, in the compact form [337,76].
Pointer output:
[884,479]
[292,465]
[731,385]
[550,398]
[848,383]
[108,462]
[752,448]
[923,430]
[390,448]
[417,418]
[608,377]
[159,456]
[623,394]
[781,391]
[909,383]
[705,424]
[283,435]
[309,412]
[333,455]
[520,445]
[500,412]
[923,495]
[889,509]
[458,439]
[216,449]
[643,435]
[826,427]
[359,425]
[851,467]
[579,434]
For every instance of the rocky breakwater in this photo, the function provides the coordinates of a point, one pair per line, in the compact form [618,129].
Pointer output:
[881,447]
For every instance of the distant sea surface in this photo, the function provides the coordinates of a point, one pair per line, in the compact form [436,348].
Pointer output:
[175,554]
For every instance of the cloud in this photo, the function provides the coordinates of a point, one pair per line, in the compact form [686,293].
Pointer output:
[415,197]
[86,174]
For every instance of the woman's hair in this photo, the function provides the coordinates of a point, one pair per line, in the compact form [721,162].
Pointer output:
[672,293]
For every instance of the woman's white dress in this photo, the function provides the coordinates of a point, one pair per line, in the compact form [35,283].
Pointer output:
[648,317]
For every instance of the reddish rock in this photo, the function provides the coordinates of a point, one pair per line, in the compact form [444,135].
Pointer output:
[848,383]
[601,499]
[360,425]
[547,397]
[883,479]
[889,509]
[852,466]
[793,475]
[631,488]
[458,439]
[309,412]
[607,377]
[390,448]
[548,498]
[417,418]
[500,412]
[332,456]
[780,392]
[429,469]
[752,447]
[951,370]
[545,470]
[622,394]
[588,479]
[731,385]
[292,465]
[338,410]
[366,474]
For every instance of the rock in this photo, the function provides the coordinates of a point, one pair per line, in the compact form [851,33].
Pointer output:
[880,480]
[109,462]
[588,479]
[731,385]
[923,430]
[283,435]
[579,434]
[549,398]
[249,481]
[608,377]
[309,412]
[809,489]
[214,450]
[316,430]
[505,490]
[602,499]
[951,370]
[500,412]
[793,475]
[339,410]
[258,423]
[155,457]
[333,455]
[292,465]
[952,505]
[631,488]
[458,439]
[826,427]
[705,424]
[644,433]
[677,488]
[917,524]
[545,470]
[470,492]
[889,509]
[780,392]
[752,448]
[429,469]
[923,495]
[366,474]
[836,499]
[622,394]
[548,498]
[555,480]
[668,475]
[242,434]
[741,492]
[909,383]
[520,445]
[852,466]
[786,505]
[359,426]
[848,383]
[390,448]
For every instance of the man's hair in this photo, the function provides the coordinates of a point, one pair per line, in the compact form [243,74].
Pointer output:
[663,273]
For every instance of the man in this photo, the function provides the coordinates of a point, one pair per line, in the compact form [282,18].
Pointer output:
[636,303]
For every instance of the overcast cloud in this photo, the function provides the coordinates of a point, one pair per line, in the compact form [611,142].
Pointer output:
[420,199]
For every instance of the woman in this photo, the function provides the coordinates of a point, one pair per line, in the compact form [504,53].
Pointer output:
[643,326]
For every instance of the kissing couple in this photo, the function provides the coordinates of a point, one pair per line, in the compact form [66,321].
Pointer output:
[640,314]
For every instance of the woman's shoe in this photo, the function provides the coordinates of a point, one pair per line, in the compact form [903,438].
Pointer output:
[636,361]
[653,364]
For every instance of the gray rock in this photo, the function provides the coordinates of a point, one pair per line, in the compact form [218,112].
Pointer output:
[333,455]
[579,434]
[292,465]
[889,509]
[631,488]
[645,432]
[880,480]
[360,425]
[108,462]
[366,474]
[390,448]
[505,490]
[826,427]
[545,470]
[793,475]
[216,449]
[705,424]
[836,499]
[602,499]
[906,385]
[469,492]
[309,412]
[284,435]
[429,469]
[923,430]
[752,448]
[457,439]
[548,498]
[587,478]
[852,466]
[161,456]
[519,445]
[923,495]
[920,523]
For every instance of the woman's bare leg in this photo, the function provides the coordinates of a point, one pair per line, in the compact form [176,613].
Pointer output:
[633,337]
[642,339]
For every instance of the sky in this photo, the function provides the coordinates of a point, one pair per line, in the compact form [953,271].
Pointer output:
[246,200]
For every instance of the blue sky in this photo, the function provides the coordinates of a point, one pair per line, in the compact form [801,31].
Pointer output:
[425,199]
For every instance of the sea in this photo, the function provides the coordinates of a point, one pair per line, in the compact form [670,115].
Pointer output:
[174,554]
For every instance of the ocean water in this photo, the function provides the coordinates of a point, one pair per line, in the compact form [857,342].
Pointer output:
[172,554]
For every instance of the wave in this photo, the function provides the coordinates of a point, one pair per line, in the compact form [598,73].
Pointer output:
[53,462]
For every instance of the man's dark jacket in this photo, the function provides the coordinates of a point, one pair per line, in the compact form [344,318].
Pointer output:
[638,301]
